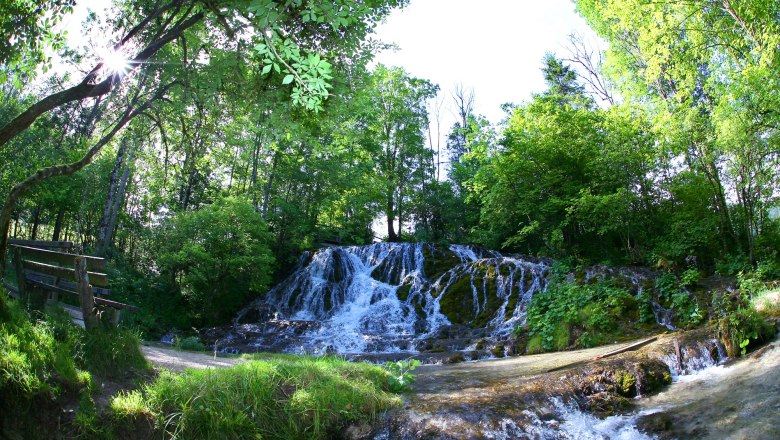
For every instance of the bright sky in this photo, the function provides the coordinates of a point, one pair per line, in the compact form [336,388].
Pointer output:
[493,46]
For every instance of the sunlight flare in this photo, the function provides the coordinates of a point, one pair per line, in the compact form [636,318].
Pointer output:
[115,61]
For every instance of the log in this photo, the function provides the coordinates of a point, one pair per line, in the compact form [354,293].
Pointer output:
[627,348]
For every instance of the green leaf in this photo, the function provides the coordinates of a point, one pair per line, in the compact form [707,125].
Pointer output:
[288,79]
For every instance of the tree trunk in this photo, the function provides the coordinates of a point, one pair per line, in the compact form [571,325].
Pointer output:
[55,236]
[253,183]
[119,199]
[35,223]
[391,235]
[269,185]
[103,229]
[20,189]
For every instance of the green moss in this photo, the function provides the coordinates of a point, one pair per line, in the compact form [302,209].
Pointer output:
[492,304]
[561,336]
[457,302]
[403,292]
[511,304]
[498,351]
[535,345]
[455,359]
[437,260]
[625,383]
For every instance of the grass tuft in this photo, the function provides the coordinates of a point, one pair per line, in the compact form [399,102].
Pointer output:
[279,397]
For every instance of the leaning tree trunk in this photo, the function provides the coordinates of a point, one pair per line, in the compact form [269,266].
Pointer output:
[25,186]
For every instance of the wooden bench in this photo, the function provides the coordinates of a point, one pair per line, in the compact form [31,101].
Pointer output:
[42,275]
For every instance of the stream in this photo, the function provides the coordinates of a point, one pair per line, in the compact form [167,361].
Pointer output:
[515,398]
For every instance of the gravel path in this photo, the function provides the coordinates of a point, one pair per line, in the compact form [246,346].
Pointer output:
[178,361]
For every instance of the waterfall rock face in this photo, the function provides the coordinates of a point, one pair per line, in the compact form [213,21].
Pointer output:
[389,297]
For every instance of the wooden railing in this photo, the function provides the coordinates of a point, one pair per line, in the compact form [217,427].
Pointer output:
[43,274]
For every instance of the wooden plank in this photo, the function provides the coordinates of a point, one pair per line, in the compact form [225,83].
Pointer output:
[115,304]
[42,244]
[65,284]
[98,279]
[43,255]
[101,301]
[627,348]
[12,290]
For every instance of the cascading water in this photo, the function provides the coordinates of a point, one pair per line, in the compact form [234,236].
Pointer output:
[388,297]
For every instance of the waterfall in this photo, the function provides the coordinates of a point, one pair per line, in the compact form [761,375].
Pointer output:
[388,297]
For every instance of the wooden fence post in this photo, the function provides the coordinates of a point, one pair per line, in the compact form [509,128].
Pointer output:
[21,280]
[86,299]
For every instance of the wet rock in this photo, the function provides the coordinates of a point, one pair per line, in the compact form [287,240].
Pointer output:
[455,358]
[655,423]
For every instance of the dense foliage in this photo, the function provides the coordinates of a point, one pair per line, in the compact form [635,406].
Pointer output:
[269,110]
[217,256]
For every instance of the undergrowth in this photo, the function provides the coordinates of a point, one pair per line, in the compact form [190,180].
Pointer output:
[280,397]
[569,315]
[47,361]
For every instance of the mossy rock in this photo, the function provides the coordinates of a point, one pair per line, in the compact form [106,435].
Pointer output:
[437,260]
[457,303]
[455,359]
[403,291]
[498,351]
[625,383]
[511,304]
[492,304]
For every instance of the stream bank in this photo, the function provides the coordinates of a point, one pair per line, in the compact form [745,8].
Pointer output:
[625,396]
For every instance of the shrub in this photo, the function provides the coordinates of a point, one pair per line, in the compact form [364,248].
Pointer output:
[191,343]
[400,374]
[219,255]
[739,324]
[596,309]
[534,345]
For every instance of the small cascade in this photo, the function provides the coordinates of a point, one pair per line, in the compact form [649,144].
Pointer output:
[389,297]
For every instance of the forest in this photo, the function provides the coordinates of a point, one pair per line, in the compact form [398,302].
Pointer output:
[214,142]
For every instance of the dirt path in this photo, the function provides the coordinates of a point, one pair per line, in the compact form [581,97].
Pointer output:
[178,361]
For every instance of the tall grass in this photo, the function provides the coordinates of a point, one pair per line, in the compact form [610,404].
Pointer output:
[284,397]
[48,360]
[767,303]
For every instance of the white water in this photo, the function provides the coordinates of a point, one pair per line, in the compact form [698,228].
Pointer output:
[353,292]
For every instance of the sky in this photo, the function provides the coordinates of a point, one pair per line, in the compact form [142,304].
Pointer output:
[493,46]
